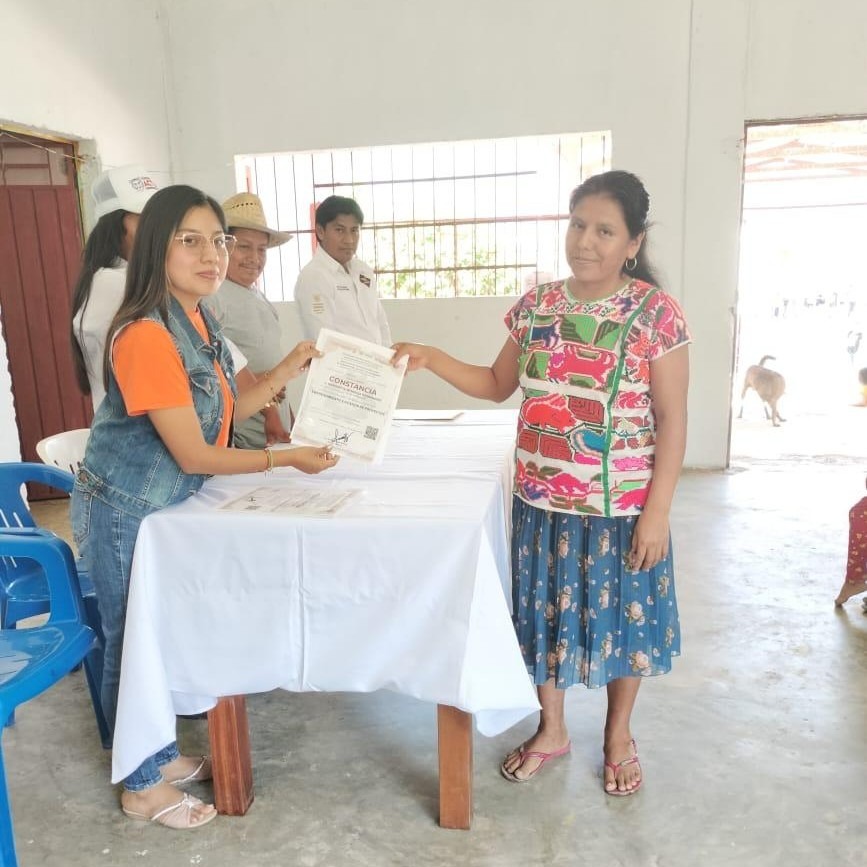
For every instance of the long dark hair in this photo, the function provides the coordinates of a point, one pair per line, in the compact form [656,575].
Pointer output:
[147,285]
[104,249]
[628,191]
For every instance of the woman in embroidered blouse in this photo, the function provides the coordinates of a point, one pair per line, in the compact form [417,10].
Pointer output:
[601,360]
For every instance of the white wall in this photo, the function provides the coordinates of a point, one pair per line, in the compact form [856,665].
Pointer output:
[92,72]
[673,81]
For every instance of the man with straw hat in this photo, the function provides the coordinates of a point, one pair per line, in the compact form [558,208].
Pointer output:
[247,317]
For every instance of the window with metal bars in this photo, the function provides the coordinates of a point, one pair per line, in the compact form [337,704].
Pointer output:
[441,220]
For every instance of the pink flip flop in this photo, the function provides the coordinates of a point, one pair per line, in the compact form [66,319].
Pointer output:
[532,754]
[615,767]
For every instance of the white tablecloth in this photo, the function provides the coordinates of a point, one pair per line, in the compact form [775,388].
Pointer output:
[405,589]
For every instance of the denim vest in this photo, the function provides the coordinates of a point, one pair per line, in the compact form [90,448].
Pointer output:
[126,463]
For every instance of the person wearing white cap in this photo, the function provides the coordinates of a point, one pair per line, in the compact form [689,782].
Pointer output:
[247,317]
[119,196]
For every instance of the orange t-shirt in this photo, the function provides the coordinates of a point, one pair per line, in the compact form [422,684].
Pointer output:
[151,375]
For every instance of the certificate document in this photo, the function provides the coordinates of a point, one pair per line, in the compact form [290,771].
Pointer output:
[349,397]
[291,501]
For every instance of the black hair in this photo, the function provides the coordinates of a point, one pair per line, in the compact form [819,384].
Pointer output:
[336,206]
[104,249]
[147,285]
[628,191]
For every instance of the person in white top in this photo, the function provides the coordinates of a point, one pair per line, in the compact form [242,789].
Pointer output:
[119,196]
[336,289]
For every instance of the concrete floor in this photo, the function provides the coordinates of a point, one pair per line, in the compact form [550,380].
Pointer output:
[754,749]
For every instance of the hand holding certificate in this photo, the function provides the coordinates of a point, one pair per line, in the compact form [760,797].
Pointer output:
[349,397]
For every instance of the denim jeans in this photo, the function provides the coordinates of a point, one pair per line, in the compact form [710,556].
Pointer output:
[105,537]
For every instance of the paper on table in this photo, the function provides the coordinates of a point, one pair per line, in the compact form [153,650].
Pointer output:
[291,501]
[349,397]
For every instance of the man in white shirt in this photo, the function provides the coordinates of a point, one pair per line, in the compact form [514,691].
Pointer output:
[336,289]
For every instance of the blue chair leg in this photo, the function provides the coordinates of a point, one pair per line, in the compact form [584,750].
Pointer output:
[93,670]
[93,674]
[94,621]
[7,837]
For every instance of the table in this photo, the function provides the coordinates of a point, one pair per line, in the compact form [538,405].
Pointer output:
[224,603]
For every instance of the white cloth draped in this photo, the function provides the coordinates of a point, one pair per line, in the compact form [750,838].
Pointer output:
[405,589]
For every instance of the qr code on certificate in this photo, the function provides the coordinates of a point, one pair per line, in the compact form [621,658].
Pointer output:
[371,433]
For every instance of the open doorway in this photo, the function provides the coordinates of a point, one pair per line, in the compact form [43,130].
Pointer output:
[802,292]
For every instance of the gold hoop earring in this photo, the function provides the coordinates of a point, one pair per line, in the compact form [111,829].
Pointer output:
[633,266]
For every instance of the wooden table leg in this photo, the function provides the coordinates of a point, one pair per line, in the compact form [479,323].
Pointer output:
[455,728]
[229,732]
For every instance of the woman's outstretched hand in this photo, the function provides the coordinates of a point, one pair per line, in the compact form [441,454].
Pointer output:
[418,356]
[307,459]
[298,360]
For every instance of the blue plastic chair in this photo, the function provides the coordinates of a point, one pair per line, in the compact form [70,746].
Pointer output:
[32,660]
[23,588]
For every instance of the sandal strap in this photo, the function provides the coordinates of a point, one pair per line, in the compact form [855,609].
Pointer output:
[632,760]
[186,803]
[616,766]
[179,815]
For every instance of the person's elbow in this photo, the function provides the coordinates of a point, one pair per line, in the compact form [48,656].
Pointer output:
[190,462]
[190,467]
[503,390]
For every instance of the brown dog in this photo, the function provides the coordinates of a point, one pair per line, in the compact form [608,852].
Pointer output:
[769,386]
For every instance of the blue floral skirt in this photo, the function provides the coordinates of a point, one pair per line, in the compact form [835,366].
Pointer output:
[579,614]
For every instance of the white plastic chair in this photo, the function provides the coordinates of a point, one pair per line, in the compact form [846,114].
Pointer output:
[65,449]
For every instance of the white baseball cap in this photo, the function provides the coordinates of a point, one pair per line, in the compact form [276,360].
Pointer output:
[126,188]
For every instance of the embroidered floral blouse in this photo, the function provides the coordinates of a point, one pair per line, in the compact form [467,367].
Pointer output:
[586,430]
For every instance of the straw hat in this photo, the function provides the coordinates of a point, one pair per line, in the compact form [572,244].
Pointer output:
[245,211]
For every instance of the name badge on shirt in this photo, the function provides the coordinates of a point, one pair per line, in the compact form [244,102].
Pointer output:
[364,279]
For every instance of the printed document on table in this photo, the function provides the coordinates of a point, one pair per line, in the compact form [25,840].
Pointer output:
[291,501]
[349,397]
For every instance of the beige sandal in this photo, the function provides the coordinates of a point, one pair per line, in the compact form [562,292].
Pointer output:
[177,816]
[203,772]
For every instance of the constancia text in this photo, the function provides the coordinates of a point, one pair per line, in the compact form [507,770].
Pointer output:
[369,390]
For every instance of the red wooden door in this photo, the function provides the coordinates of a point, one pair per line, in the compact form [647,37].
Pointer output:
[40,254]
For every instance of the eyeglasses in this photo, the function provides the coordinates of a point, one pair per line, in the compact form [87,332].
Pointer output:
[196,242]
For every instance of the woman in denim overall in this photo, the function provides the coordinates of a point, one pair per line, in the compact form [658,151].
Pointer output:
[601,363]
[138,463]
